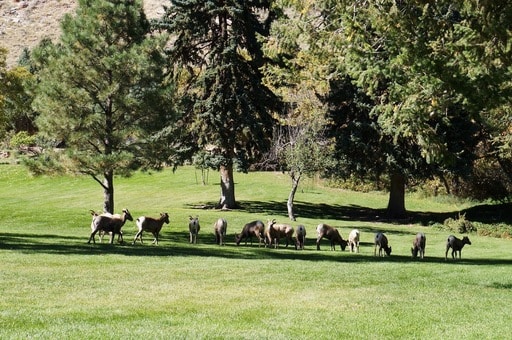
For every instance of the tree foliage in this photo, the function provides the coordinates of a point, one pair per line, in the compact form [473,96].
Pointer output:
[16,113]
[102,91]
[410,87]
[228,109]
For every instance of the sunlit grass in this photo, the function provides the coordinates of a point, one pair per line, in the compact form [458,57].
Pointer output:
[55,285]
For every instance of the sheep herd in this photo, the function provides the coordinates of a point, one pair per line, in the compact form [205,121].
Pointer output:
[269,235]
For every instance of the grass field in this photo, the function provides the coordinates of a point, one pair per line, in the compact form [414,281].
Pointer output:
[55,285]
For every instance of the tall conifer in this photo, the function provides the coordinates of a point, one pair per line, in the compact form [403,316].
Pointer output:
[102,92]
[229,111]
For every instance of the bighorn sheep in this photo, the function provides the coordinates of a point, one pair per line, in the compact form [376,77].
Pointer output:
[276,231]
[456,245]
[193,228]
[418,245]
[381,241]
[219,229]
[101,233]
[254,228]
[153,225]
[300,235]
[353,240]
[109,223]
[330,233]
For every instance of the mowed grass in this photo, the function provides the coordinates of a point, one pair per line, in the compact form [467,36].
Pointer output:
[55,285]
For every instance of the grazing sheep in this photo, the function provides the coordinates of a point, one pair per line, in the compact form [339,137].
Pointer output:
[353,240]
[219,229]
[276,231]
[193,228]
[153,225]
[381,241]
[456,245]
[418,245]
[110,224]
[254,228]
[300,235]
[330,233]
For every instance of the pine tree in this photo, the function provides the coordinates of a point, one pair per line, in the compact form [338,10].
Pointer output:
[228,110]
[102,92]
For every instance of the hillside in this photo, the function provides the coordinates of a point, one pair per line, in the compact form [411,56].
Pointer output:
[24,23]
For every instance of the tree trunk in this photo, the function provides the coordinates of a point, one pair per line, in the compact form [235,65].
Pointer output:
[108,192]
[227,185]
[291,197]
[396,204]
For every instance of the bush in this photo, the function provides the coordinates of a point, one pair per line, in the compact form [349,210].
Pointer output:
[500,230]
[460,225]
[22,138]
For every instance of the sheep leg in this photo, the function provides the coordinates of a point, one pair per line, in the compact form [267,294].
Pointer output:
[138,235]
[92,237]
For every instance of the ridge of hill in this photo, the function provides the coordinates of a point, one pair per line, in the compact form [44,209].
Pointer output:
[23,23]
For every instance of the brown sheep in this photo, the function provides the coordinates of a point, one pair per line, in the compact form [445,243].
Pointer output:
[254,228]
[381,241]
[330,233]
[418,245]
[152,225]
[193,228]
[456,245]
[219,229]
[353,240]
[277,231]
[108,223]
[300,235]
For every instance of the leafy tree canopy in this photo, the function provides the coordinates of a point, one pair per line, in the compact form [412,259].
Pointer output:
[103,92]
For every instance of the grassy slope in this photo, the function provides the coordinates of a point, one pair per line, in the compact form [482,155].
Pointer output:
[54,285]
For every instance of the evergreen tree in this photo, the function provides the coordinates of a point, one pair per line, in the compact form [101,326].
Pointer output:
[102,92]
[228,109]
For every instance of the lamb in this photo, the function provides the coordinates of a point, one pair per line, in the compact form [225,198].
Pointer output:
[219,229]
[300,237]
[276,231]
[353,240]
[109,223]
[153,225]
[193,228]
[330,233]
[456,245]
[381,241]
[254,228]
[418,245]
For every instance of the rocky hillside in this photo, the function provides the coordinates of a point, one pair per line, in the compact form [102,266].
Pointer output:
[23,23]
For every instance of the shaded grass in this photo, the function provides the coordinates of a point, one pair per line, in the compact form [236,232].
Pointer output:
[55,285]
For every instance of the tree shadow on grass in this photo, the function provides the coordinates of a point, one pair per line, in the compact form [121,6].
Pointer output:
[485,213]
[65,245]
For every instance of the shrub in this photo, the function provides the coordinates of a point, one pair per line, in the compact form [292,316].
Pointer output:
[500,230]
[460,225]
[22,138]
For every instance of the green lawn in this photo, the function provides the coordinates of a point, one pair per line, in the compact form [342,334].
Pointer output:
[55,285]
